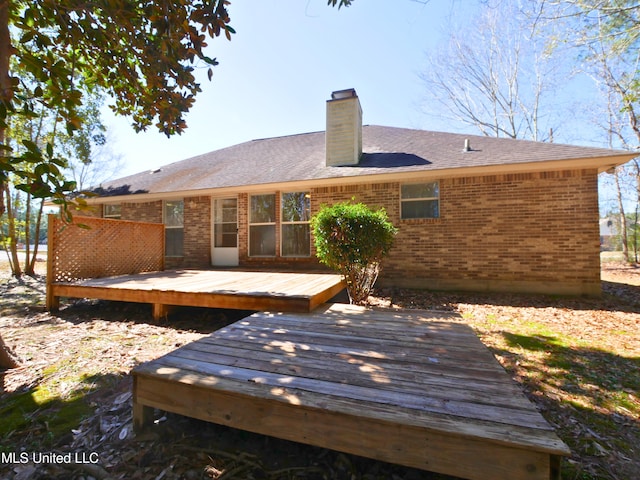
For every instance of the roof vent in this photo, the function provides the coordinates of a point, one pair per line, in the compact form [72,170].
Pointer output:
[157,170]
[467,145]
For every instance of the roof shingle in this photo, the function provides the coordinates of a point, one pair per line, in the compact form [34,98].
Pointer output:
[385,150]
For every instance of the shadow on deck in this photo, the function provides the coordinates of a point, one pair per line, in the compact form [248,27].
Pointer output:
[413,388]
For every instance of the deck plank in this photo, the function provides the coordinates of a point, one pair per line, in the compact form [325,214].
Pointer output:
[371,373]
[466,457]
[168,378]
[468,406]
[286,338]
[294,292]
[316,377]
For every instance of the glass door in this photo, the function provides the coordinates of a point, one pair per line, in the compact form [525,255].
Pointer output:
[225,232]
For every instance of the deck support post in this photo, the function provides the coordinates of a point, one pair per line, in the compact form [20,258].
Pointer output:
[160,311]
[52,301]
[556,466]
[142,414]
[142,417]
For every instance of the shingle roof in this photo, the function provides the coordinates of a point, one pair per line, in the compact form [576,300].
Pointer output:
[385,150]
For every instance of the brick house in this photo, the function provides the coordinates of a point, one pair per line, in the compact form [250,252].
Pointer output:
[474,213]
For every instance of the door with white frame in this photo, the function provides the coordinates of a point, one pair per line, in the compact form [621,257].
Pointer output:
[224,248]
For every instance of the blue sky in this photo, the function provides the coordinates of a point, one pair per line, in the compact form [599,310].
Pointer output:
[277,72]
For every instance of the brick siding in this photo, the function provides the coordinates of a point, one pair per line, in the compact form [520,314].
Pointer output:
[150,212]
[533,232]
[197,232]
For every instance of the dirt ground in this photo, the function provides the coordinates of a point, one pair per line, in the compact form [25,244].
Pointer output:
[100,342]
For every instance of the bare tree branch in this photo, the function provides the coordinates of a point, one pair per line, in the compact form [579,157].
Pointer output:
[494,76]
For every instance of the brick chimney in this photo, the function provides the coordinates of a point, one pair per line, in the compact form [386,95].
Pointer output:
[344,128]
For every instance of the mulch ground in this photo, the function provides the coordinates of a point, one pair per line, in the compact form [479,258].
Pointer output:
[102,341]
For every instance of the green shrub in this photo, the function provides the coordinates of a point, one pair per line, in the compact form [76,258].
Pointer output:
[353,239]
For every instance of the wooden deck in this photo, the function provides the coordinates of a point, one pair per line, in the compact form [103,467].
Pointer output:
[244,290]
[413,388]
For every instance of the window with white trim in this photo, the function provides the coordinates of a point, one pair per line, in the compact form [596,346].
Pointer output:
[420,200]
[262,225]
[173,218]
[111,211]
[295,230]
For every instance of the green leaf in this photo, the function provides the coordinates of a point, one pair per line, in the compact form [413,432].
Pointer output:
[210,61]
[53,170]
[41,169]
[61,162]
[31,146]
[69,186]
[28,17]
[27,37]
[34,65]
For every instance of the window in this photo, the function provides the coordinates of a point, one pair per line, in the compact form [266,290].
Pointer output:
[111,211]
[173,217]
[420,200]
[262,225]
[296,233]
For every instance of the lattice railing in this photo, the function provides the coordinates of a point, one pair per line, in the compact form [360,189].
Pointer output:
[98,247]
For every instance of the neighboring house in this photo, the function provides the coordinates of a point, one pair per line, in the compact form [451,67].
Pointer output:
[610,233]
[474,213]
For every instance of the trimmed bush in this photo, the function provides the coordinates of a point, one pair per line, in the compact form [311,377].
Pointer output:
[352,239]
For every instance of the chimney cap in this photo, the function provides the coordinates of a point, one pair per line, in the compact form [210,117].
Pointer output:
[339,94]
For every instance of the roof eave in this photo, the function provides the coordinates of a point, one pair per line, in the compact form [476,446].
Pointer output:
[601,164]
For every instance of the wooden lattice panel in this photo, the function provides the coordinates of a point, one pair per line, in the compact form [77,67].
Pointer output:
[98,247]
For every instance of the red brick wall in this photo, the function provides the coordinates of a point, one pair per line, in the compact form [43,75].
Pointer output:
[142,212]
[534,232]
[197,232]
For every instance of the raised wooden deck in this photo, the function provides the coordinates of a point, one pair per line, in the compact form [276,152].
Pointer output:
[267,291]
[413,388]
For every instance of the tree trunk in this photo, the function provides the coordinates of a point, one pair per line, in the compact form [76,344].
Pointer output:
[27,233]
[623,218]
[30,266]
[12,233]
[7,358]
[636,220]
[6,90]
[636,254]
